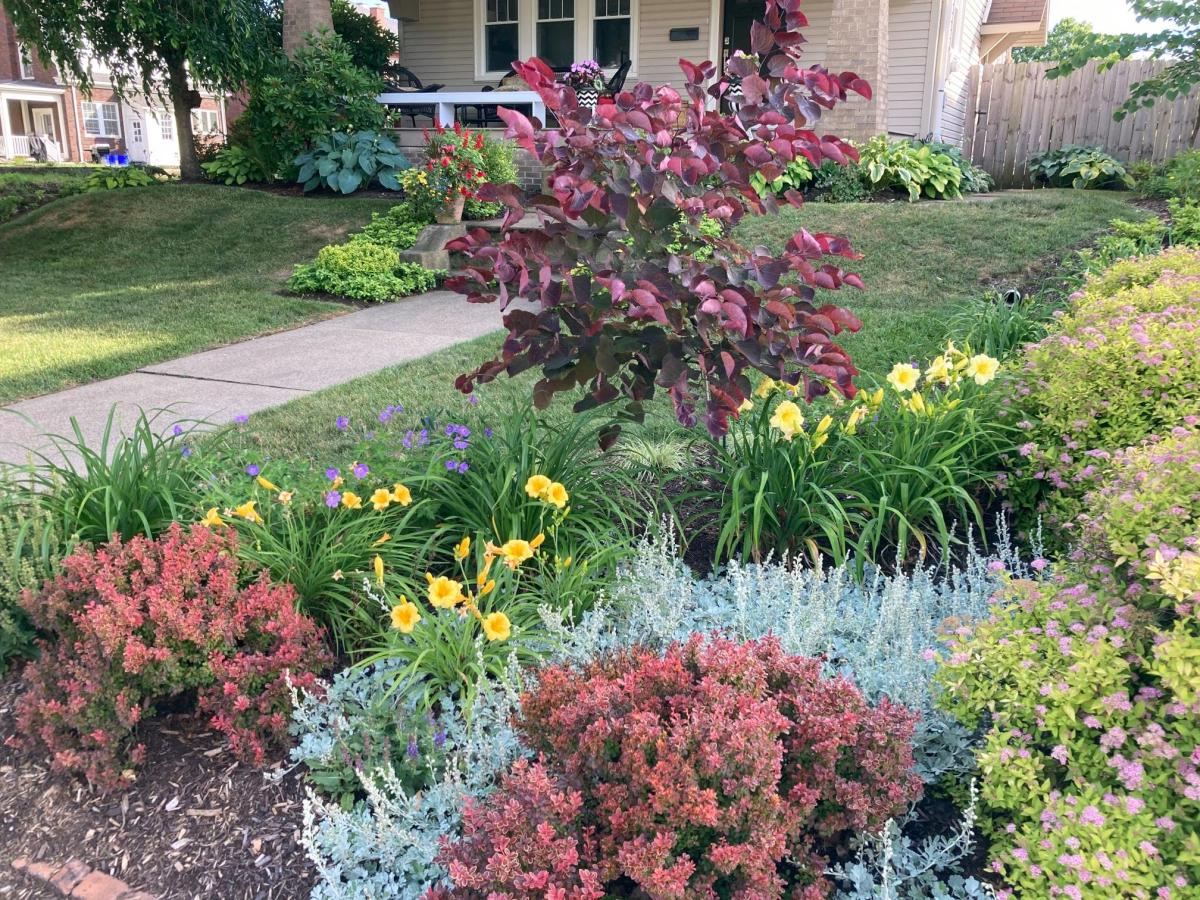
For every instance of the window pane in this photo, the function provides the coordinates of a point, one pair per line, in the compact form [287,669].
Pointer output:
[501,47]
[556,43]
[612,42]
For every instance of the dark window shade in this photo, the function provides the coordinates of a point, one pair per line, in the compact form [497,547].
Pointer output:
[556,43]
[502,46]
[612,42]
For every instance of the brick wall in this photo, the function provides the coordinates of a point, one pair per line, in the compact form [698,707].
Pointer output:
[858,42]
[301,18]
[530,174]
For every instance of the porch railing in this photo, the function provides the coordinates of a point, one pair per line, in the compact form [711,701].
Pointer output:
[14,145]
[445,103]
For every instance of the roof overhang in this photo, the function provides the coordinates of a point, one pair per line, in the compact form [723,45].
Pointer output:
[1011,27]
[20,90]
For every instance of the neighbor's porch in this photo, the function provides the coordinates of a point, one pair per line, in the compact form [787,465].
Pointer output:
[27,110]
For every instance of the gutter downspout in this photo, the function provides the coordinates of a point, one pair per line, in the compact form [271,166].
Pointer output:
[938,94]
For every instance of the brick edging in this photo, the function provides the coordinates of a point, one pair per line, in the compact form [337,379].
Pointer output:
[79,880]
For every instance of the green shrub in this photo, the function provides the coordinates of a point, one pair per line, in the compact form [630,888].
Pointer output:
[1126,240]
[30,550]
[796,177]
[398,228]
[131,483]
[839,184]
[1121,364]
[904,166]
[499,167]
[1178,178]
[1185,222]
[302,100]
[1078,167]
[999,324]
[361,270]
[116,177]
[235,165]
[346,162]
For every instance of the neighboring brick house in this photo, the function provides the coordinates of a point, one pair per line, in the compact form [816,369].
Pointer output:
[36,100]
[917,54]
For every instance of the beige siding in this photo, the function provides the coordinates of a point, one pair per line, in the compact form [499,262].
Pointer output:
[908,54]
[658,61]
[440,48]
[959,67]
[819,13]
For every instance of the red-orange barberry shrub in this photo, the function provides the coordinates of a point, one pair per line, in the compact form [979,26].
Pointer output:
[717,769]
[131,624]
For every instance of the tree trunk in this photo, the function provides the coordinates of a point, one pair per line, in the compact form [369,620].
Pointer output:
[182,101]
[301,18]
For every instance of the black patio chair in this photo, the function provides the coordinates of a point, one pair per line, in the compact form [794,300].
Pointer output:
[613,86]
[398,79]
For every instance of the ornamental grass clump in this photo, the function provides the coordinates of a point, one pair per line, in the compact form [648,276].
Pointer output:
[618,311]
[714,769]
[1121,365]
[137,623]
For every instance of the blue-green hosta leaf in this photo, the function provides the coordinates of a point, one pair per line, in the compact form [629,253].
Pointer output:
[348,181]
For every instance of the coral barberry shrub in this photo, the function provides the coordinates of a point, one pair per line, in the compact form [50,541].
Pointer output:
[717,768]
[624,312]
[132,624]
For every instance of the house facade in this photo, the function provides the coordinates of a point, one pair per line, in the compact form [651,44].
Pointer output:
[35,100]
[918,55]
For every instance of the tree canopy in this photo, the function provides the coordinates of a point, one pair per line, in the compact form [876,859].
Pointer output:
[370,44]
[1065,39]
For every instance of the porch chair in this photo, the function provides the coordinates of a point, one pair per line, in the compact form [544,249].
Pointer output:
[400,80]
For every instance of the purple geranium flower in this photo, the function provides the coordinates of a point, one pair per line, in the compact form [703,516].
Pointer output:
[186,452]
[463,467]
[332,499]
[451,465]
[341,423]
[241,419]
[332,473]
[177,430]
[252,470]
[361,470]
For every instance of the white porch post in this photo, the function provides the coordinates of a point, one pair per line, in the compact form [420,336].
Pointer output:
[6,126]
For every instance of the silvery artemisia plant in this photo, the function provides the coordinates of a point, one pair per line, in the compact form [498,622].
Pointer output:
[385,846]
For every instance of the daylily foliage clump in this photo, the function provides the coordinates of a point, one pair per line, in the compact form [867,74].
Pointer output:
[618,309]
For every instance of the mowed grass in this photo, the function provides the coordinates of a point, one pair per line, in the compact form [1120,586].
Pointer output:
[101,284]
[920,262]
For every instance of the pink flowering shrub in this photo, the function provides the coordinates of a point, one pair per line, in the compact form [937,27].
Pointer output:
[1091,763]
[717,769]
[1121,365]
[135,623]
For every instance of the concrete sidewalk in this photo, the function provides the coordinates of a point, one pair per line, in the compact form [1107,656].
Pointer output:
[256,374]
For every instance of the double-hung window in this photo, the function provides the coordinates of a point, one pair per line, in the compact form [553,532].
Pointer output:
[101,119]
[612,32]
[501,35]
[204,121]
[26,62]
[556,32]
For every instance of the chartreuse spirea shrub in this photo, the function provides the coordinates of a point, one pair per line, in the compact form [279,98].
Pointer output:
[398,228]
[30,549]
[890,475]
[132,624]
[692,772]
[361,270]
[1122,363]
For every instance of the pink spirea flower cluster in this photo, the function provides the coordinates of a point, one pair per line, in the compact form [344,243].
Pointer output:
[131,624]
[718,769]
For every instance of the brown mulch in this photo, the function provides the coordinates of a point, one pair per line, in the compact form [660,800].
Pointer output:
[197,824]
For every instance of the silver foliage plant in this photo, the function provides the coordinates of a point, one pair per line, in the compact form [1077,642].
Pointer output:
[385,848]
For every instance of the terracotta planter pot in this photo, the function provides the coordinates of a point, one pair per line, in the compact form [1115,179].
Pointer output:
[451,213]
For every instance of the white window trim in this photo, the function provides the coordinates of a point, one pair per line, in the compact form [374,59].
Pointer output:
[198,115]
[25,59]
[585,11]
[100,119]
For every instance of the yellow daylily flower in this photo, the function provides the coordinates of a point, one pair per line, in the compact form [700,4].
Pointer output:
[378,565]
[266,485]
[856,416]
[940,369]
[401,494]
[788,419]
[904,377]
[405,615]
[211,519]
[516,551]
[248,512]
[765,388]
[337,576]
[556,495]
[381,499]
[382,539]
[463,549]
[746,406]
[285,497]
[444,593]
[916,404]
[351,500]
[487,588]
[496,626]
[537,485]
[337,483]
[982,368]
[538,541]
[821,434]
[876,399]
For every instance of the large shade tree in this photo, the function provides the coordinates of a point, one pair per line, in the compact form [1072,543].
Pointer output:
[158,47]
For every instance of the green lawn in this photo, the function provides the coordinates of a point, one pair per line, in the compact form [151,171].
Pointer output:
[921,260]
[98,285]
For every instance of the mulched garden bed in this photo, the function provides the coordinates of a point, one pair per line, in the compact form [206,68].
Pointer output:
[196,825]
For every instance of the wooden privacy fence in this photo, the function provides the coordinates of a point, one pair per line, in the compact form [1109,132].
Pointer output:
[1018,112]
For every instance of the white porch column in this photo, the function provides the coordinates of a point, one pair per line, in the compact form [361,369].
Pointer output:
[6,126]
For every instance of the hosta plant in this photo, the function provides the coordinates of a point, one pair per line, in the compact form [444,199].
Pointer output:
[235,165]
[1078,167]
[920,170]
[619,313]
[344,162]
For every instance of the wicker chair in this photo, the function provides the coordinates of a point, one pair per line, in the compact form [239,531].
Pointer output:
[399,79]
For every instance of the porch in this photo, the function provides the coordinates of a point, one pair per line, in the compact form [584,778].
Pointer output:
[27,111]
